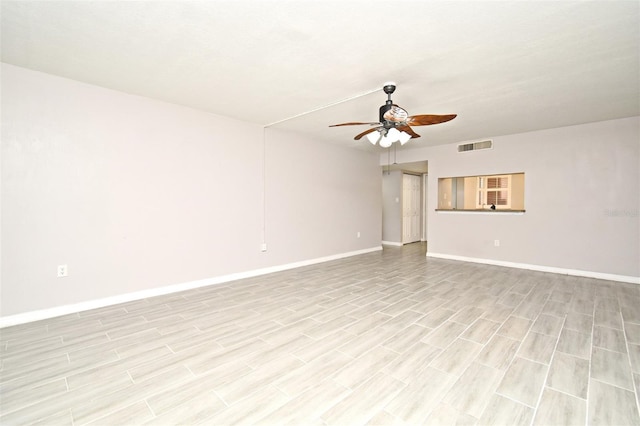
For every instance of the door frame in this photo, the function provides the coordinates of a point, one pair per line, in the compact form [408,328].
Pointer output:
[419,232]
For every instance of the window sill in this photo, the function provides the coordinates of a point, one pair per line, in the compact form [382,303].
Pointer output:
[482,211]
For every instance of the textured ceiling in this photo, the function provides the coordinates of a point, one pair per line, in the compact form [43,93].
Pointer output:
[503,67]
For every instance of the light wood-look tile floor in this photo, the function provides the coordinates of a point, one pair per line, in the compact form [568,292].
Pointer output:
[390,337]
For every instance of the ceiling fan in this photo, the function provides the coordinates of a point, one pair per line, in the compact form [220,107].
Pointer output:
[395,123]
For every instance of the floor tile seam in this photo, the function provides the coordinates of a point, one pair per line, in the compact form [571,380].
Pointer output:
[515,355]
[632,342]
[607,326]
[115,323]
[589,378]
[486,405]
[278,382]
[128,357]
[382,404]
[395,351]
[239,357]
[41,420]
[478,343]
[451,374]
[279,407]
[319,337]
[547,386]
[488,339]
[114,410]
[139,395]
[426,415]
[64,402]
[349,355]
[10,333]
[61,320]
[407,325]
[113,364]
[614,385]
[590,334]
[26,404]
[547,335]
[397,420]
[175,404]
[32,356]
[153,413]
[129,335]
[631,321]
[31,364]
[160,371]
[454,339]
[193,346]
[79,389]
[602,324]
[536,361]
[546,376]
[230,405]
[29,386]
[467,326]
[30,338]
[59,373]
[72,340]
[293,354]
[627,343]
[533,409]
[593,345]
[612,351]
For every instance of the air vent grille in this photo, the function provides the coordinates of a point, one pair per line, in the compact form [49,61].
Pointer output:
[474,146]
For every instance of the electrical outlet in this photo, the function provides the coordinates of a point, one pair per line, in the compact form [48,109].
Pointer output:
[63,271]
[496,243]
[358,234]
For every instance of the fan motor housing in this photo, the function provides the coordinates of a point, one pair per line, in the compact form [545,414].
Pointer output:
[383,109]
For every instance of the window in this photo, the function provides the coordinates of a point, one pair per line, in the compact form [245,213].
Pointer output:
[494,191]
[479,193]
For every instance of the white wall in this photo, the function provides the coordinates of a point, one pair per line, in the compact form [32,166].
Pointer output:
[582,186]
[319,197]
[392,206]
[135,194]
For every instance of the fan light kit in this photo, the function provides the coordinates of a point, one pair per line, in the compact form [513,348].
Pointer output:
[387,137]
[395,122]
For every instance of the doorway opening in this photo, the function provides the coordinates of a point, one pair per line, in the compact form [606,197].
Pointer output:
[404,205]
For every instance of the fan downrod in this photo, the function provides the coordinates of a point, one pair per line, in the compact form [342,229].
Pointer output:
[388,88]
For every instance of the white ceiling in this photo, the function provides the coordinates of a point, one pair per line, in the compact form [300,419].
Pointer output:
[503,66]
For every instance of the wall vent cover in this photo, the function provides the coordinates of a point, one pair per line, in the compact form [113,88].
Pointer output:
[474,146]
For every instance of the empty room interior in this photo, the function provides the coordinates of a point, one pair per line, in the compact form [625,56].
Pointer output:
[319,212]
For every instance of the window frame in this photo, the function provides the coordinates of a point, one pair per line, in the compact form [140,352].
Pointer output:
[482,192]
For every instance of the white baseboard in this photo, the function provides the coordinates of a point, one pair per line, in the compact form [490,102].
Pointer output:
[129,297]
[392,243]
[563,271]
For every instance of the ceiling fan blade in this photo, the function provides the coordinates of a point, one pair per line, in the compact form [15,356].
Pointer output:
[409,130]
[425,120]
[353,124]
[366,132]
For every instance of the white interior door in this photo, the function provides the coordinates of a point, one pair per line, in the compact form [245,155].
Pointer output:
[410,208]
[425,206]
